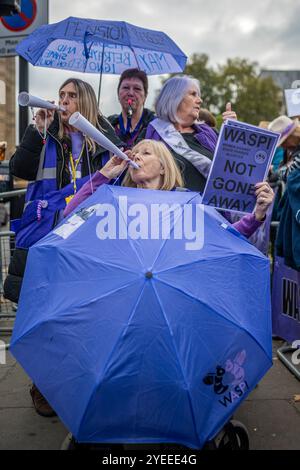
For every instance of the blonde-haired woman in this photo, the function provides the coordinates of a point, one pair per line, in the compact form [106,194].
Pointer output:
[158,170]
[156,164]
[55,158]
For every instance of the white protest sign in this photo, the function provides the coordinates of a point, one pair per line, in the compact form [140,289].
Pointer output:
[292,98]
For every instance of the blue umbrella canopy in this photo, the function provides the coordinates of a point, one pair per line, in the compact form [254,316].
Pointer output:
[144,318]
[99,46]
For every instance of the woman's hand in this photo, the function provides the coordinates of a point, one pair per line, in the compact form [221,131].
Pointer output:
[115,166]
[229,114]
[264,198]
[40,116]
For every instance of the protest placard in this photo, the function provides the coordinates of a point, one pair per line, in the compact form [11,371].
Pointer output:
[285,301]
[244,125]
[241,159]
[292,99]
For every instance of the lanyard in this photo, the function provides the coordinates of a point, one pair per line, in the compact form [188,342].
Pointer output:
[127,130]
[74,167]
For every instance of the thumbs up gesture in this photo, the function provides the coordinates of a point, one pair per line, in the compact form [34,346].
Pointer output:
[229,114]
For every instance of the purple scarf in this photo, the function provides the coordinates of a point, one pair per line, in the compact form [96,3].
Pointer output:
[206,136]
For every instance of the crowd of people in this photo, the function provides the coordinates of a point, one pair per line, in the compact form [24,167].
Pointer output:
[173,148]
[284,175]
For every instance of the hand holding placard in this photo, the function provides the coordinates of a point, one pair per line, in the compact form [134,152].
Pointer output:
[264,197]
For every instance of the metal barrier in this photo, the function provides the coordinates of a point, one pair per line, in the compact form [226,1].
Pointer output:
[12,194]
[285,354]
[286,351]
[7,247]
[7,308]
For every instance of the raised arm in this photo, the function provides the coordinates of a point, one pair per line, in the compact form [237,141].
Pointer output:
[113,168]
[248,224]
[25,161]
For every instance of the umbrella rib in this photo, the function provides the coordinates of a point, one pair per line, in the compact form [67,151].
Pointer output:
[165,241]
[182,372]
[203,260]
[137,64]
[130,46]
[129,239]
[188,294]
[112,265]
[36,325]
[111,354]
[114,291]
[218,313]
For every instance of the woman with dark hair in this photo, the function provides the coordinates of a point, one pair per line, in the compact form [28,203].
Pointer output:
[134,118]
[56,159]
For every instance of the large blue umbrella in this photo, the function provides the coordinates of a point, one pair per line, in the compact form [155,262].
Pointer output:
[143,318]
[99,46]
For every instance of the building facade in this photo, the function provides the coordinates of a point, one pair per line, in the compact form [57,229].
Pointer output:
[8,103]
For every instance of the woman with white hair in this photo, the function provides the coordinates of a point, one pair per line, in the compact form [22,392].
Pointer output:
[191,143]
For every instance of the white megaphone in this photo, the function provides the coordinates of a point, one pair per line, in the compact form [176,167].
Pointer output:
[83,125]
[25,99]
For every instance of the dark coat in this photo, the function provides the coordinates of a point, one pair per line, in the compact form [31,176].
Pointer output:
[25,161]
[288,236]
[148,116]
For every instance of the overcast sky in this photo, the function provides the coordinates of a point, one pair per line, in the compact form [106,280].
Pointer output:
[267,31]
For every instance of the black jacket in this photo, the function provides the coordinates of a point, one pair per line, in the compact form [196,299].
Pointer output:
[25,161]
[148,116]
[24,164]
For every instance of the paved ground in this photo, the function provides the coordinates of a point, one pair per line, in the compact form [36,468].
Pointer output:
[270,412]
